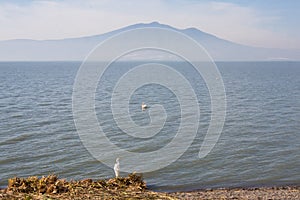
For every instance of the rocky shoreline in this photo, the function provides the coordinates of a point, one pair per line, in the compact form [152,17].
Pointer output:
[131,187]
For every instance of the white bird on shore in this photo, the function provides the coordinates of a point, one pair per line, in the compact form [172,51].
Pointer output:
[144,106]
[117,168]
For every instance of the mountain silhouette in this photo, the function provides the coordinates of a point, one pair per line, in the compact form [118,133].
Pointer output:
[73,49]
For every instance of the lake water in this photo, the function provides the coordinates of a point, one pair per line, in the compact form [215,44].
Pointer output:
[259,144]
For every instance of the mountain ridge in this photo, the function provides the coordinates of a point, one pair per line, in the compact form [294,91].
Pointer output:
[77,48]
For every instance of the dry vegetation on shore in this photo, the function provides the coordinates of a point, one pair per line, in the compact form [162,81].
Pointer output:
[131,187]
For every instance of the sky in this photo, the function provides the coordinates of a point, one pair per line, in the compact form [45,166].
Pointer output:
[261,23]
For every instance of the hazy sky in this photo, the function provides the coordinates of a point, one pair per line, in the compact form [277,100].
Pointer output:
[267,23]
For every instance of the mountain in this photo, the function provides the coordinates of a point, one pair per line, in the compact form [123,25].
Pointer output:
[78,48]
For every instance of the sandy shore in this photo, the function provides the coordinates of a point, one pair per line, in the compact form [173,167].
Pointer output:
[131,187]
[250,193]
[242,193]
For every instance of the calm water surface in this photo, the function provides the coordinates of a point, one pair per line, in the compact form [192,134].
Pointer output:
[259,145]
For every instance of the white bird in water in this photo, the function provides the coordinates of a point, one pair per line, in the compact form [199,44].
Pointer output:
[144,106]
[117,168]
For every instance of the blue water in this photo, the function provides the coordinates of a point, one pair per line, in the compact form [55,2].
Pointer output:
[259,144]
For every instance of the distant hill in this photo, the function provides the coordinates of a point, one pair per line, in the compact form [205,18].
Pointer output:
[78,48]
